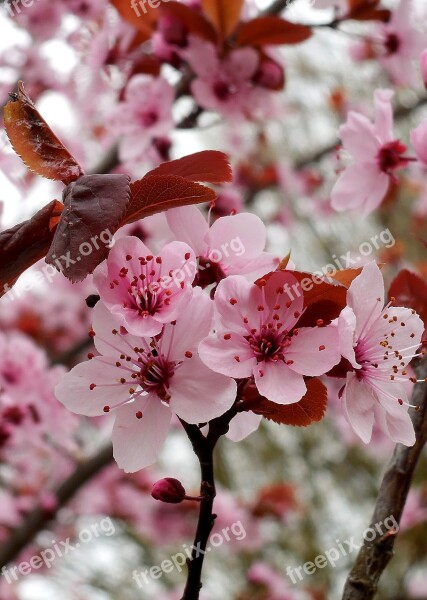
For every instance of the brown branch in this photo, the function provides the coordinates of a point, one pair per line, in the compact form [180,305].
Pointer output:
[39,518]
[374,556]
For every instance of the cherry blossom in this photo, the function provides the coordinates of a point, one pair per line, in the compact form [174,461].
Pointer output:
[402,44]
[144,290]
[379,343]
[144,115]
[257,336]
[227,85]
[376,153]
[232,245]
[144,381]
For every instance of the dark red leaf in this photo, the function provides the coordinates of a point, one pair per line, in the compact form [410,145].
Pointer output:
[208,167]
[34,141]
[94,208]
[271,30]
[223,14]
[410,290]
[367,10]
[158,193]
[194,22]
[310,409]
[25,244]
[143,18]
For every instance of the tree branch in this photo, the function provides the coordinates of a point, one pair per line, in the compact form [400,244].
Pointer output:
[36,520]
[374,556]
[204,448]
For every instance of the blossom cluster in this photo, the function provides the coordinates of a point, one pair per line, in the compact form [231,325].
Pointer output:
[182,332]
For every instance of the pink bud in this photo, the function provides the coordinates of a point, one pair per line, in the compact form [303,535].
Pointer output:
[270,75]
[424,66]
[168,490]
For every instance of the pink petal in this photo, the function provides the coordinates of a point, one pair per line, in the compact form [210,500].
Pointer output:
[137,442]
[366,297]
[74,389]
[384,115]
[198,394]
[358,404]
[194,323]
[232,313]
[358,137]
[189,225]
[396,422]
[220,355]
[347,329]
[360,186]
[244,231]
[278,383]
[106,342]
[315,350]
[243,425]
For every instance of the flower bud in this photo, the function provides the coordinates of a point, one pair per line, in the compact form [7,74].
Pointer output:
[168,490]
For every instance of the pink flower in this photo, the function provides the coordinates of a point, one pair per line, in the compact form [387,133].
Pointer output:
[376,155]
[379,343]
[146,381]
[419,142]
[143,116]
[146,291]
[227,85]
[233,245]
[257,337]
[402,44]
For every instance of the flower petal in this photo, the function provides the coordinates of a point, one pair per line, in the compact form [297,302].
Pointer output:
[359,407]
[198,394]
[137,442]
[278,383]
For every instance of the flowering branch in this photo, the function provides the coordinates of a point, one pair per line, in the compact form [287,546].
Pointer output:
[40,517]
[375,555]
[204,448]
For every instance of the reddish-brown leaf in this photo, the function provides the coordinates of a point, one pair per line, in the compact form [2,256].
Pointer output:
[158,193]
[322,300]
[94,208]
[194,22]
[346,276]
[34,141]
[223,14]
[25,244]
[143,17]
[208,167]
[410,290]
[310,409]
[271,30]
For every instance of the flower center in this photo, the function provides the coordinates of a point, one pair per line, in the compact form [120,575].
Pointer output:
[148,118]
[269,344]
[390,157]
[223,90]
[155,376]
[392,43]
